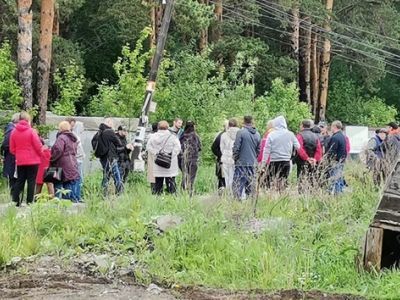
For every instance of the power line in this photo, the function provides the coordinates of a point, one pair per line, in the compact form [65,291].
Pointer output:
[332,51]
[335,22]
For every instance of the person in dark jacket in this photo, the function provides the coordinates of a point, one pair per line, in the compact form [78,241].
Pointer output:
[392,145]
[9,159]
[337,154]
[245,152]
[191,147]
[216,150]
[124,159]
[376,154]
[308,156]
[109,161]
[63,155]
[26,146]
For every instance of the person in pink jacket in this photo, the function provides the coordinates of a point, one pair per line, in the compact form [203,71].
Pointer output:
[26,146]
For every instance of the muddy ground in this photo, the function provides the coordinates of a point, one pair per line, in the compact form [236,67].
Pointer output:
[49,278]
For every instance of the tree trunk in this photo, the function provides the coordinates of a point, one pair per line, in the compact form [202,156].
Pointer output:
[216,30]
[203,44]
[325,63]
[305,61]
[44,62]
[314,73]
[25,50]
[295,24]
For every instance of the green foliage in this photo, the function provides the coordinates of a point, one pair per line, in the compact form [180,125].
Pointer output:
[283,99]
[10,92]
[125,98]
[348,104]
[70,83]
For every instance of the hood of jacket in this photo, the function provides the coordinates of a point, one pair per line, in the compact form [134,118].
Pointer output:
[103,127]
[232,132]
[280,123]
[22,126]
[69,135]
[251,129]
[161,136]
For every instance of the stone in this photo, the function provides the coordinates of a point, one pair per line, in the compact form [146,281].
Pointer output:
[168,222]
[154,289]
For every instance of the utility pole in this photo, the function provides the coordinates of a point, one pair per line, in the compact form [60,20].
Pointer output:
[151,84]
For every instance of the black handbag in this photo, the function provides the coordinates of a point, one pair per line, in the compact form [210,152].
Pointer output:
[52,174]
[163,159]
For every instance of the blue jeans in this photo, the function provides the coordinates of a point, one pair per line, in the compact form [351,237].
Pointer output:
[110,168]
[70,188]
[336,179]
[243,180]
[78,187]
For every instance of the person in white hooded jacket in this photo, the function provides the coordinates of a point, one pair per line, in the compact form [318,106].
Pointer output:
[228,163]
[164,140]
[279,149]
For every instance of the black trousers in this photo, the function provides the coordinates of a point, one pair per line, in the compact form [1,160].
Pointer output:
[278,173]
[159,184]
[307,176]
[189,172]
[11,183]
[25,174]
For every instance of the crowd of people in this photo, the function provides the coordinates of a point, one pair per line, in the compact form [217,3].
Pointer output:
[246,161]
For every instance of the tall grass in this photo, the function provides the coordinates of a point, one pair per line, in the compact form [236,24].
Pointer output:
[314,247]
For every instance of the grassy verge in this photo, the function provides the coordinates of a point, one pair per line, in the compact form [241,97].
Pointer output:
[316,250]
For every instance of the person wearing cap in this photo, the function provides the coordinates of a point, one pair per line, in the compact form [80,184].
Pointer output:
[124,159]
[376,151]
[324,136]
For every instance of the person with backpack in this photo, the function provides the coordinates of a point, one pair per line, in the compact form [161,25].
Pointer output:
[191,147]
[165,147]
[106,145]
[124,159]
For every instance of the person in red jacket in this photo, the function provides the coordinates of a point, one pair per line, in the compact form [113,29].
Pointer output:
[26,146]
[45,163]
[308,156]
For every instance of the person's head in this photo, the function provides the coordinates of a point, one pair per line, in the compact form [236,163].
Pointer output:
[154,127]
[64,126]
[316,129]
[306,124]
[392,126]
[248,120]
[189,127]
[232,123]
[109,122]
[163,125]
[122,131]
[336,126]
[382,133]
[71,121]
[24,116]
[178,123]
[323,127]
[15,118]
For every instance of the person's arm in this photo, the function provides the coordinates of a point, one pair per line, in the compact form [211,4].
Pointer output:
[318,152]
[267,150]
[12,143]
[237,146]
[332,148]
[301,152]
[177,146]
[36,143]
[150,146]
[216,144]
[57,150]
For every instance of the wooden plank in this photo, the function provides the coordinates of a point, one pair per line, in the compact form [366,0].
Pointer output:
[373,249]
[385,216]
[391,227]
[390,202]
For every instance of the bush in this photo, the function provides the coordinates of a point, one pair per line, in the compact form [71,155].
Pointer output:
[283,99]
[70,82]
[348,104]
[10,91]
[125,98]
